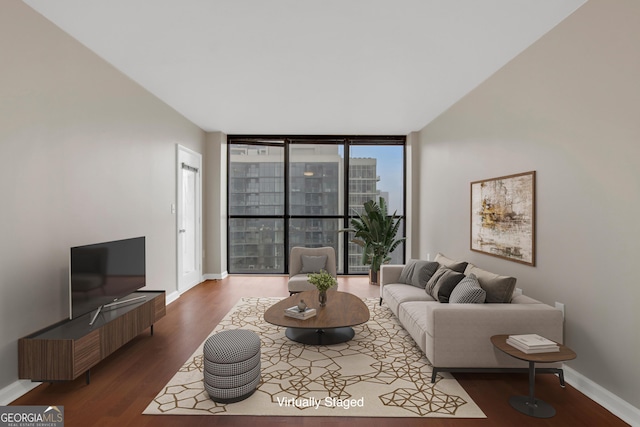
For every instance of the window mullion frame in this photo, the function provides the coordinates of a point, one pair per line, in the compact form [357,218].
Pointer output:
[285,210]
[287,143]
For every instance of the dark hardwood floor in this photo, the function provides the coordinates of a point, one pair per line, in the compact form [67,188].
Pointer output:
[123,384]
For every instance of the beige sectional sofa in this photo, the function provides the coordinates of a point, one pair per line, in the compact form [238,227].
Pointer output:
[455,337]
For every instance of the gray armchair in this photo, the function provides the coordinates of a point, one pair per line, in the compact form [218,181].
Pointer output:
[309,260]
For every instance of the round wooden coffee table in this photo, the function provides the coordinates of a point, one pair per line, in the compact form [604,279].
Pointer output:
[529,404]
[332,323]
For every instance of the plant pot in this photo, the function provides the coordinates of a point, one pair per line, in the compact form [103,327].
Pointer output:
[373,277]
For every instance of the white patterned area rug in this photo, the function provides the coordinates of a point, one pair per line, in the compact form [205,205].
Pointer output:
[381,372]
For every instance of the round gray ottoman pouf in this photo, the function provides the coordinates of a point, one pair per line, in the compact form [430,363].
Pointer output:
[231,365]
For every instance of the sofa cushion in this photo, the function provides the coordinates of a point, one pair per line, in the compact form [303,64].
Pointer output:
[523,299]
[445,284]
[413,316]
[313,263]
[499,289]
[458,266]
[396,294]
[300,283]
[417,273]
[468,291]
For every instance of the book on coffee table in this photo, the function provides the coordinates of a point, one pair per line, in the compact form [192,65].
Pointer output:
[296,313]
[532,343]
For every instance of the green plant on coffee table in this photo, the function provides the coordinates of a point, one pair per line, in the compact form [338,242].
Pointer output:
[322,280]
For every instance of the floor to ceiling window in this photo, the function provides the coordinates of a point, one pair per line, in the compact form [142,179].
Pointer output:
[300,191]
[375,171]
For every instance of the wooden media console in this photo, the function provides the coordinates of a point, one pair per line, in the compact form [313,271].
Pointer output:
[68,349]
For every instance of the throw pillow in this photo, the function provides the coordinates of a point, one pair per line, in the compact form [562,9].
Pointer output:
[446,284]
[468,291]
[417,273]
[434,279]
[313,263]
[407,272]
[458,266]
[499,289]
[423,272]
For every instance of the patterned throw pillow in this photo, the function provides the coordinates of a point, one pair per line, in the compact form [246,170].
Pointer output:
[498,288]
[468,291]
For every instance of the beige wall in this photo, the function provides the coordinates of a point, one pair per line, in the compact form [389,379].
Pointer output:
[568,108]
[87,156]
[215,206]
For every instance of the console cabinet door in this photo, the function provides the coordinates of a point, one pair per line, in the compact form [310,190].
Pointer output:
[86,353]
[123,329]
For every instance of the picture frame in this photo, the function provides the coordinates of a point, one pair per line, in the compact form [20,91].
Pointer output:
[503,217]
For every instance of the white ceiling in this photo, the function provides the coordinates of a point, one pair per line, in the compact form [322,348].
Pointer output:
[307,66]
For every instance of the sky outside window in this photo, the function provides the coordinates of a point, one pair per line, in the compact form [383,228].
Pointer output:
[390,164]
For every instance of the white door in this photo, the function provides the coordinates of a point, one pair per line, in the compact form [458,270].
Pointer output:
[189,222]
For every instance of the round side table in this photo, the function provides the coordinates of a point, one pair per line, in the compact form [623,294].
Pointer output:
[529,405]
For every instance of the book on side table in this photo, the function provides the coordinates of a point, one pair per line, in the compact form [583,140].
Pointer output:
[532,343]
[296,313]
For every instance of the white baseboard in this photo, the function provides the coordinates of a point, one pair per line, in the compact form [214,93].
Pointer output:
[215,276]
[617,406]
[176,294]
[13,391]
[169,298]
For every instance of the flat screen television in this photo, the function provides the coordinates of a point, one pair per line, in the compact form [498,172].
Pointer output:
[102,273]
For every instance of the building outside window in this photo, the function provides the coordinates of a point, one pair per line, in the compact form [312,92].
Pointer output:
[289,192]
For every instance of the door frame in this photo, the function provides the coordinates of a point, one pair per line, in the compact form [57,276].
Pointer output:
[180,151]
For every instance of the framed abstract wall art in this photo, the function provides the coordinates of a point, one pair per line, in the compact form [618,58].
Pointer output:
[503,217]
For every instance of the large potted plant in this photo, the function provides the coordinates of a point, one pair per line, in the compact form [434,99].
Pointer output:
[375,232]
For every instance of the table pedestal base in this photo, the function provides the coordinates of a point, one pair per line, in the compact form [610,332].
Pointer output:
[320,336]
[538,408]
